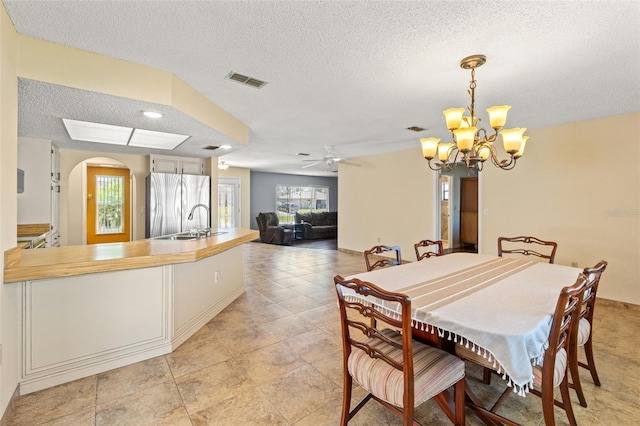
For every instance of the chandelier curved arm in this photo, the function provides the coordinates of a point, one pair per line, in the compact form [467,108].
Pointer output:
[446,165]
[506,164]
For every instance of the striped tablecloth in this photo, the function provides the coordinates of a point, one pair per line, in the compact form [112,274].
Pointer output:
[500,307]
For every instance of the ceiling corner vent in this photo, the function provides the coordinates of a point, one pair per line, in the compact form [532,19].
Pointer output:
[246,80]
[416,129]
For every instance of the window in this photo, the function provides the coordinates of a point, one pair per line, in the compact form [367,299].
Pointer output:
[110,204]
[445,190]
[305,199]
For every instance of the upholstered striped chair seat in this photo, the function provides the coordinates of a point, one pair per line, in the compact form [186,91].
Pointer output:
[558,371]
[434,371]
[584,331]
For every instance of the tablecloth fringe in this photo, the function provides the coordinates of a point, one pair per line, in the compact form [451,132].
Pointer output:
[521,390]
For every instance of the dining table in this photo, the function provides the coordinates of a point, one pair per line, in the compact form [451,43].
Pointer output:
[500,307]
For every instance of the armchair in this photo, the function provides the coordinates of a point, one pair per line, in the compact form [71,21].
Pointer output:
[270,230]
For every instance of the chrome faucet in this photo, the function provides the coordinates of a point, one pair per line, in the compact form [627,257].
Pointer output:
[190,217]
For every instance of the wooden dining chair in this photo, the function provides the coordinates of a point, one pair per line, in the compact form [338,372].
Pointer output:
[376,252]
[437,251]
[585,331]
[509,248]
[395,370]
[554,370]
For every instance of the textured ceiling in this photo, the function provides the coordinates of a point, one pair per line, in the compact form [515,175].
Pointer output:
[350,74]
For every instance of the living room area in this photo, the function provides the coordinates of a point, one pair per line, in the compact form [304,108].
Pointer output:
[295,210]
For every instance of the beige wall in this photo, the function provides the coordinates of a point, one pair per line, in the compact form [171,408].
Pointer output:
[577,184]
[570,187]
[9,328]
[390,198]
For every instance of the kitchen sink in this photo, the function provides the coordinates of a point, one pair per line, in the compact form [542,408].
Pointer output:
[188,236]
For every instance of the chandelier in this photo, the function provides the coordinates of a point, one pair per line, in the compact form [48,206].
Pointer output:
[471,145]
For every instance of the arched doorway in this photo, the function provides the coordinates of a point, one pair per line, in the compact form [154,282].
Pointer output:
[77,200]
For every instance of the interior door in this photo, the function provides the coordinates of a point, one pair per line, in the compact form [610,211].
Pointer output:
[469,210]
[228,203]
[108,205]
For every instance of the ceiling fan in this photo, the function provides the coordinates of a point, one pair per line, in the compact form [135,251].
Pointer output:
[329,160]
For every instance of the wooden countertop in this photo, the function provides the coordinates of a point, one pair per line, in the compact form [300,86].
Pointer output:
[55,262]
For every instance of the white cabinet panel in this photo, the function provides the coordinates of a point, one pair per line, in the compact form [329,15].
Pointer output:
[198,297]
[76,318]
[74,327]
[180,165]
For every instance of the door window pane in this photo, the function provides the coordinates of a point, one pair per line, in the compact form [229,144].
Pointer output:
[109,204]
[226,209]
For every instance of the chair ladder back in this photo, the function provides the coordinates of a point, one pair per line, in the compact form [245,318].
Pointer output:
[437,251]
[527,251]
[376,251]
[369,310]
[593,275]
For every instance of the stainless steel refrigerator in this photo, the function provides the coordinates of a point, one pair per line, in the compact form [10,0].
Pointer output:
[169,200]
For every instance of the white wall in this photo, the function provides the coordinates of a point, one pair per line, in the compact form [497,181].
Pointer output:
[570,187]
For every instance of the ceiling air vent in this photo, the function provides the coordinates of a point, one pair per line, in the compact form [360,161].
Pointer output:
[416,129]
[249,81]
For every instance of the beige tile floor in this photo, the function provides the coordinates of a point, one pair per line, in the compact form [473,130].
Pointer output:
[274,358]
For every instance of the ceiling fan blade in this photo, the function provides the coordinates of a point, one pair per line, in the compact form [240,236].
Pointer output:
[310,165]
[349,163]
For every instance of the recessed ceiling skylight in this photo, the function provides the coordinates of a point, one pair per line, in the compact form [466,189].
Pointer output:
[118,135]
[97,132]
[159,140]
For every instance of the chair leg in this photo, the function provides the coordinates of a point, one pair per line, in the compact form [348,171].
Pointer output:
[459,397]
[486,376]
[588,349]
[547,396]
[575,376]
[346,399]
[566,401]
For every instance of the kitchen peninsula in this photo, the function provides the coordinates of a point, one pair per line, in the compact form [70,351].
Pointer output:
[89,309]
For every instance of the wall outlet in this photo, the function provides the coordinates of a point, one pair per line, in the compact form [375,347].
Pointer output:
[574,264]
[216,276]
[378,239]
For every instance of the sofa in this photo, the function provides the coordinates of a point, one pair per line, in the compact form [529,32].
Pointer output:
[318,225]
[270,230]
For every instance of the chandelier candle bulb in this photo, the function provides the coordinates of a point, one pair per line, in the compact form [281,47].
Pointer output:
[465,137]
[429,147]
[522,145]
[484,153]
[444,150]
[512,139]
[453,117]
[498,116]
